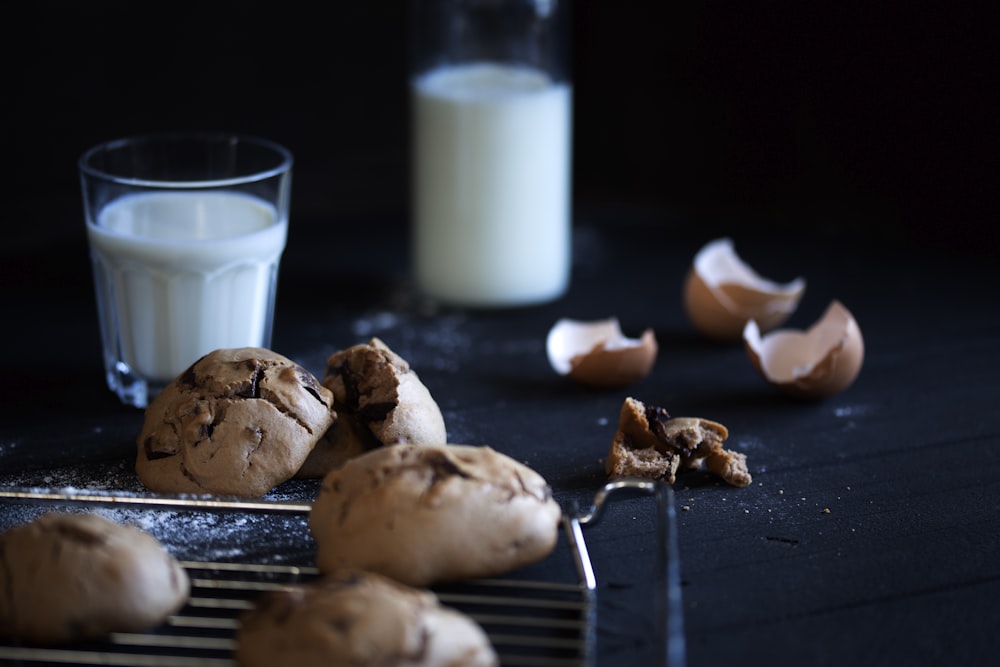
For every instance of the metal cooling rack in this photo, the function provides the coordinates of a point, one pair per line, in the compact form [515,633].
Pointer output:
[531,623]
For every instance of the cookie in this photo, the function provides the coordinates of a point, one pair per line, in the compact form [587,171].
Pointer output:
[650,443]
[423,514]
[76,576]
[358,618]
[379,400]
[237,422]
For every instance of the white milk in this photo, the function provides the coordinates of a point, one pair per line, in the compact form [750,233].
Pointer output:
[183,273]
[491,185]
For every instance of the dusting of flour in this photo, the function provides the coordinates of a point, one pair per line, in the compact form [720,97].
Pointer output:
[439,347]
[188,535]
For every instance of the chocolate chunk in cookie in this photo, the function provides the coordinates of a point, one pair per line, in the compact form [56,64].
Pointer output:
[237,422]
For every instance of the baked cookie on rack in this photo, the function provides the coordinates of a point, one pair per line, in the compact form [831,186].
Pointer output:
[353,617]
[379,400]
[423,514]
[237,422]
[77,576]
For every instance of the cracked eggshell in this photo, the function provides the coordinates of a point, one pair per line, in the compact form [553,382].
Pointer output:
[598,354]
[722,293]
[816,363]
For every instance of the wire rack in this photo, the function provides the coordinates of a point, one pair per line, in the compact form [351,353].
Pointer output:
[531,623]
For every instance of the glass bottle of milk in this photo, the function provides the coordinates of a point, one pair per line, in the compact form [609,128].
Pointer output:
[492,104]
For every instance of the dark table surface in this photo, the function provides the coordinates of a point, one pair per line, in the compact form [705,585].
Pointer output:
[870,534]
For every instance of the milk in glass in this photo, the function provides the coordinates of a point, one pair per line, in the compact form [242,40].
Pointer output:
[181,273]
[491,184]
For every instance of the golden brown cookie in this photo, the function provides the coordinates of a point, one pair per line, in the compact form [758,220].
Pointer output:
[73,576]
[650,443]
[358,618]
[379,400]
[237,422]
[423,514]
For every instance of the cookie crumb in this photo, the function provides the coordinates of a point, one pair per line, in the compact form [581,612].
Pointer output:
[686,508]
[826,510]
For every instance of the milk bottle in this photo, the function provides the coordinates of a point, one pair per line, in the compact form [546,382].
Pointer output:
[492,209]
[491,107]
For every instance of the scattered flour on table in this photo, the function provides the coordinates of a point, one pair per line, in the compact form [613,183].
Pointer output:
[188,535]
[439,344]
[114,475]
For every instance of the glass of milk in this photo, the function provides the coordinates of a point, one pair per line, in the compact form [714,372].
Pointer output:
[491,113]
[185,234]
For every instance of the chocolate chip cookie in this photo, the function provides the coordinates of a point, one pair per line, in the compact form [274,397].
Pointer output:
[237,422]
[353,617]
[379,400]
[75,576]
[423,514]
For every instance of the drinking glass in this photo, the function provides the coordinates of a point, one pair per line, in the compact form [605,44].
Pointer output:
[186,232]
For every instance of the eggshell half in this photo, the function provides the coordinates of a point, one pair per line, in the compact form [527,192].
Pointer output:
[598,354]
[812,364]
[722,293]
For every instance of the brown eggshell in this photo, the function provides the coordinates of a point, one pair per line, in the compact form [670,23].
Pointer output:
[598,354]
[812,364]
[721,293]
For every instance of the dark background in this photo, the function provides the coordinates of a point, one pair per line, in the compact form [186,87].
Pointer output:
[742,117]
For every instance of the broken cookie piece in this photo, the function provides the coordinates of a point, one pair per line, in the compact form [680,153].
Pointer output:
[237,422]
[379,400]
[650,443]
